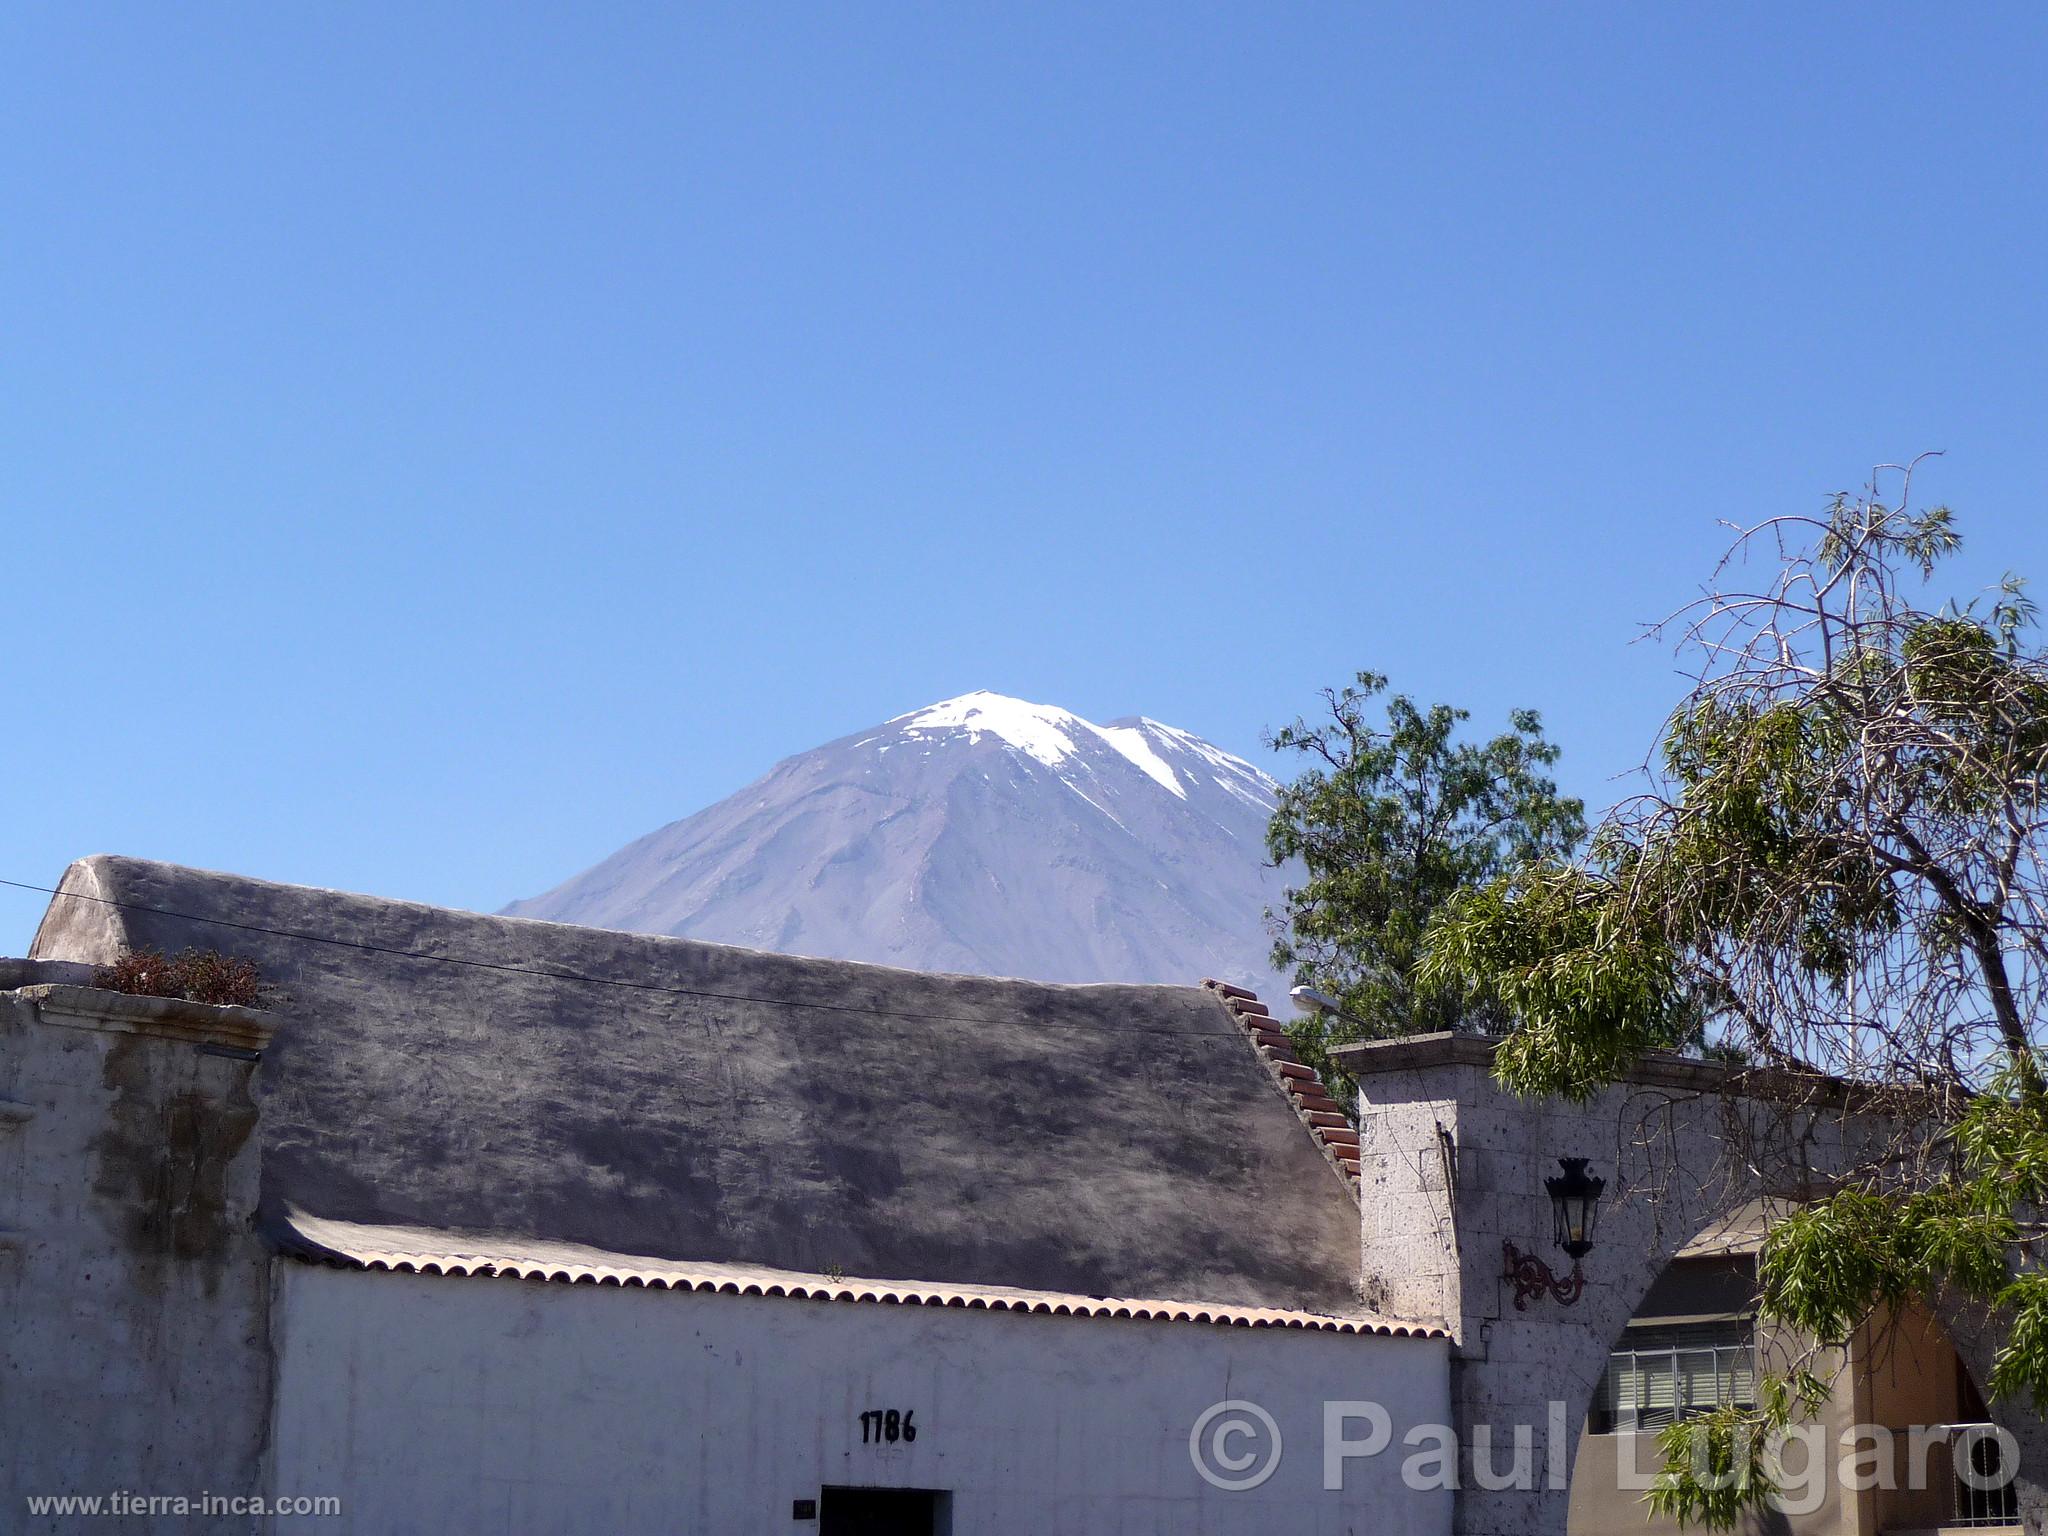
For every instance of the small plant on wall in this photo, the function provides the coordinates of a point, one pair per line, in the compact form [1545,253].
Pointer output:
[197,975]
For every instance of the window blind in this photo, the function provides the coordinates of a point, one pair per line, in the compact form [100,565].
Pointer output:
[1662,1374]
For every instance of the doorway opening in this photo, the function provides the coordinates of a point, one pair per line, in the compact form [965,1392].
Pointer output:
[885,1512]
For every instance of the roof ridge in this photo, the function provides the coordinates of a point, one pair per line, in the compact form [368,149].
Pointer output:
[669,946]
[1324,1118]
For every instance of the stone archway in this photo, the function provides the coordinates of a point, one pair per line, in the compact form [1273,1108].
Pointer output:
[1452,1169]
[1975,1343]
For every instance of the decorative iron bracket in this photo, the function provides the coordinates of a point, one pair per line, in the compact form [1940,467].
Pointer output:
[1533,1280]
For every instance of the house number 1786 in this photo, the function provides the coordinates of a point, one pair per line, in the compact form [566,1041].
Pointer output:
[886,1426]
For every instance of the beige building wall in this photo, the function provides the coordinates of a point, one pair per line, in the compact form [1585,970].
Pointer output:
[1909,1376]
[1898,1374]
[1612,1472]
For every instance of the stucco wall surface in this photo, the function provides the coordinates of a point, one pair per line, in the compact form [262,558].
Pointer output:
[133,1356]
[486,1405]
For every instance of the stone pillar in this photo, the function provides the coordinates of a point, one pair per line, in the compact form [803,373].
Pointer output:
[1452,1170]
[136,1357]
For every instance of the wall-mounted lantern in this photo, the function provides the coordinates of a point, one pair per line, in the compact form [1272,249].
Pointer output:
[1575,1202]
[1575,1211]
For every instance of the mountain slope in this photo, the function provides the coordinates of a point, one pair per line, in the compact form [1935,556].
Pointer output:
[982,834]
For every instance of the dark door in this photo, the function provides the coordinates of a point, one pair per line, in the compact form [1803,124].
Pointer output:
[880,1512]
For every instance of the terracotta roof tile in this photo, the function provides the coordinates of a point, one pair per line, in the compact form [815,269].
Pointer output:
[420,1251]
[1319,1112]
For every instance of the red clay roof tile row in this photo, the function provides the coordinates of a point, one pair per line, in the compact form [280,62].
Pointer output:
[1319,1111]
[419,1252]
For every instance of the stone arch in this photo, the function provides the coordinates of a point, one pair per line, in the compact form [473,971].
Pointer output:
[1967,1327]
[1452,1169]
[1599,1498]
[1900,1375]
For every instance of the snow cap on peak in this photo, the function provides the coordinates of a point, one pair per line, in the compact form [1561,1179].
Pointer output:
[1051,735]
[1039,730]
[985,709]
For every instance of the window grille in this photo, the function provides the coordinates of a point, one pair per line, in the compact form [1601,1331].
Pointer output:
[1987,1497]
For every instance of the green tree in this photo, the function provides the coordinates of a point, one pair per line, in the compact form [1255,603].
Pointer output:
[1390,822]
[1845,853]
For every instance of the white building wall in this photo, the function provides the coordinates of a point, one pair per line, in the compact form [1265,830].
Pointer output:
[134,1292]
[453,1405]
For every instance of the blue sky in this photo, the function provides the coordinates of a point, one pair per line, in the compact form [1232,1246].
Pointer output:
[439,443]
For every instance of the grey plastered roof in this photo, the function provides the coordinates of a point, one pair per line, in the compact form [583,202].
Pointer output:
[709,1104]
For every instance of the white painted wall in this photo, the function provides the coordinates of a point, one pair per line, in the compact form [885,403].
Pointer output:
[453,1405]
[133,1287]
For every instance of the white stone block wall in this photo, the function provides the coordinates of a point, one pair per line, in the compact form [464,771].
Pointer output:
[1432,1243]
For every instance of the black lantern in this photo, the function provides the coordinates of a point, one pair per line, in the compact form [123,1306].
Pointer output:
[1575,1208]
[1575,1202]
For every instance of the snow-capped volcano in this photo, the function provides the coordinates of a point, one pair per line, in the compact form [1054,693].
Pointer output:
[983,834]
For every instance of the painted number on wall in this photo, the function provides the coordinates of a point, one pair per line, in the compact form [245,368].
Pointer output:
[887,1426]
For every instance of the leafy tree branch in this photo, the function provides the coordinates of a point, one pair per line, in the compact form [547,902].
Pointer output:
[1842,860]
[1392,817]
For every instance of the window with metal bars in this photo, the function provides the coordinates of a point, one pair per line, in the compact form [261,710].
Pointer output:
[1661,1373]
